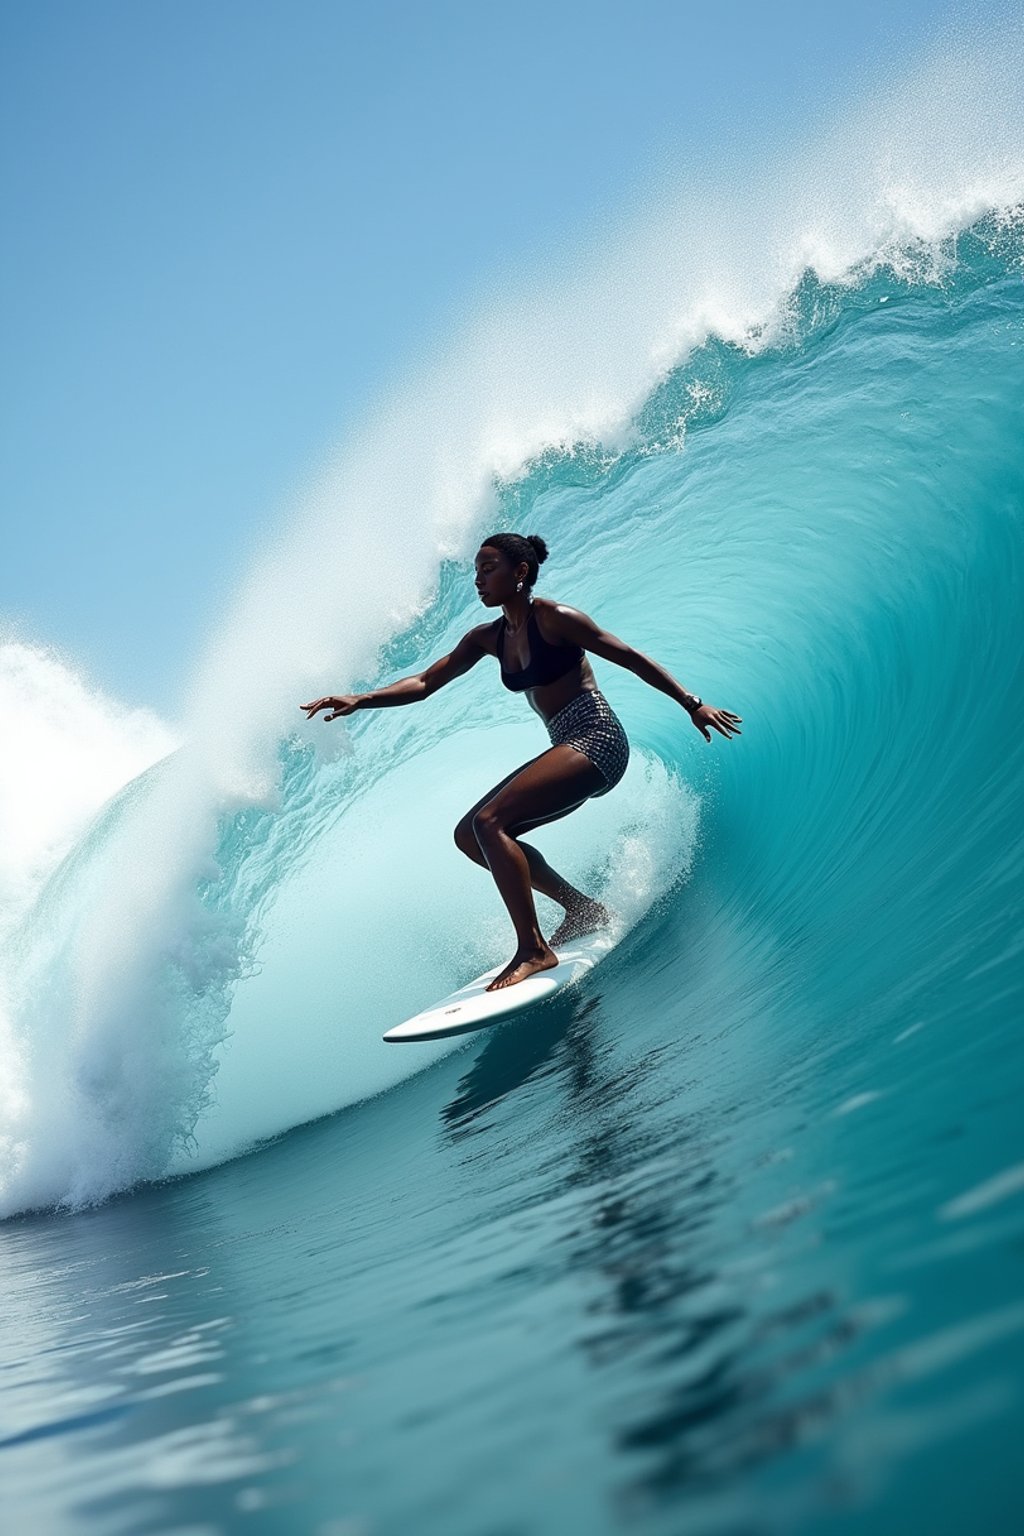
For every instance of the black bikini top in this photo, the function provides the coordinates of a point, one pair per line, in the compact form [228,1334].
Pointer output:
[547,661]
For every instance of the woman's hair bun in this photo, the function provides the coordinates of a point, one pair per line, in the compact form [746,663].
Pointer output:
[540,548]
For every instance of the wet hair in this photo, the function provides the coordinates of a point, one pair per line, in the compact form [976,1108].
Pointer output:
[516,549]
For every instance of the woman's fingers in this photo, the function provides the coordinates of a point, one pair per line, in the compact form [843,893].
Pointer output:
[316,705]
[339,706]
[721,719]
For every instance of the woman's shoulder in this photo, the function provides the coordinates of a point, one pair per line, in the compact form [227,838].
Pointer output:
[550,615]
[545,610]
[485,636]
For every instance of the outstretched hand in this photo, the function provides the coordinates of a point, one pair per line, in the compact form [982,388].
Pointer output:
[343,704]
[723,720]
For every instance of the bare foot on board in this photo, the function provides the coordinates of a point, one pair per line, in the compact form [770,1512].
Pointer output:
[521,965]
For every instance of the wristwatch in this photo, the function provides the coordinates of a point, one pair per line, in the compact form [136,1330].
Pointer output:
[690,708]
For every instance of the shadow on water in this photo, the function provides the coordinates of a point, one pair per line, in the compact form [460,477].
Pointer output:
[518,1051]
[558,1033]
[646,1187]
[711,1361]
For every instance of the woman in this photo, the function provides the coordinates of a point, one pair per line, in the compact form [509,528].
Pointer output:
[541,648]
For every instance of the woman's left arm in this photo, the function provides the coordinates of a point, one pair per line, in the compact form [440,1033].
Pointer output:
[579,628]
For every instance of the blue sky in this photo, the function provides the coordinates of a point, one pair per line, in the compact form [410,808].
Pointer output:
[226,223]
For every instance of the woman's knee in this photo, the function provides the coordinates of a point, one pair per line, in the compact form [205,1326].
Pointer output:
[465,840]
[486,823]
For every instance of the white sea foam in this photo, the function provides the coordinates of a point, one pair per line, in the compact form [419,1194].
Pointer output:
[67,748]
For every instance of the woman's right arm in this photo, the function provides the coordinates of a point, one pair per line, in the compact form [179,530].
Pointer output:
[408,690]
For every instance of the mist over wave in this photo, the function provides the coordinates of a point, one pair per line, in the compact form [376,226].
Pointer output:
[69,749]
[771,432]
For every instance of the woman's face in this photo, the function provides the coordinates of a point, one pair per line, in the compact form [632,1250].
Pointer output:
[495,577]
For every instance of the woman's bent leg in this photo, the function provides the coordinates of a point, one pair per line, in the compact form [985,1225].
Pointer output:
[583,914]
[553,784]
[542,876]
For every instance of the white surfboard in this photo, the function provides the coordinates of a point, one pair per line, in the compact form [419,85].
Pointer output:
[473,1007]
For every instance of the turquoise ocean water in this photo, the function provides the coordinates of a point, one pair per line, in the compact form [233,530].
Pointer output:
[728,1239]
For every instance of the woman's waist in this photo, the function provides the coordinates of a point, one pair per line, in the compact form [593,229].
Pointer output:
[588,701]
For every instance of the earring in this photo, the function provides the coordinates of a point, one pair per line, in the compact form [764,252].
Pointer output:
[519,586]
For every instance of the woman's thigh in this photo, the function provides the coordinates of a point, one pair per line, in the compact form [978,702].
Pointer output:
[467,819]
[542,790]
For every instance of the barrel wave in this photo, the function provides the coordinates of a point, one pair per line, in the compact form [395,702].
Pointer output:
[824,535]
[796,1082]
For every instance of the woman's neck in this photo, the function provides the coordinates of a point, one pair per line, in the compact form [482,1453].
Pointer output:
[516,617]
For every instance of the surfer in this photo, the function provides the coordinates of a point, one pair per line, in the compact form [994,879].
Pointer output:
[541,649]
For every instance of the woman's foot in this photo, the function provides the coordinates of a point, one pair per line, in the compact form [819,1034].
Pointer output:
[585,918]
[523,964]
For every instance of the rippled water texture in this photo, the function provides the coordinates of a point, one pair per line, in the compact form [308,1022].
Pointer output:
[728,1239]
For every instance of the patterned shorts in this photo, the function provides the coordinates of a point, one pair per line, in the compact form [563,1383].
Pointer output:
[589,723]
